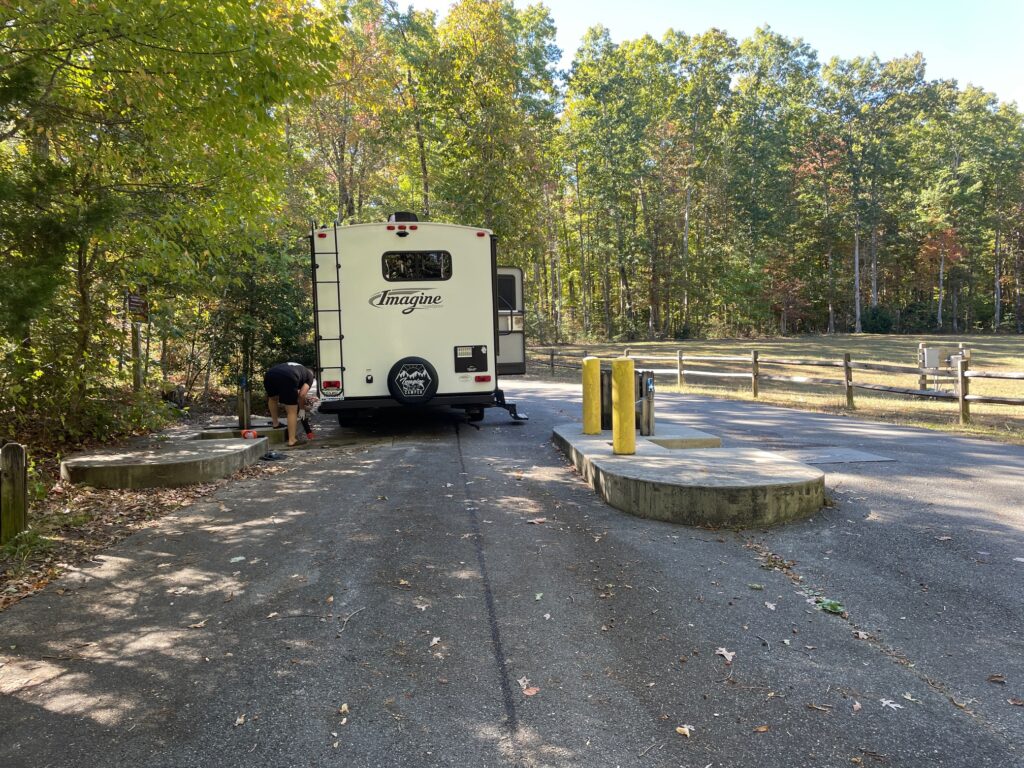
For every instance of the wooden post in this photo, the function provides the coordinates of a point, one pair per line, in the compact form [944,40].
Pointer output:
[13,491]
[244,405]
[680,379]
[848,380]
[551,361]
[754,373]
[136,356]
[962,389]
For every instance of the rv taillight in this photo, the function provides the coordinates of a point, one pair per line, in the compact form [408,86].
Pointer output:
[483,377]
[481,234]
[401,226]
[321,234]
[332,385]
[413,226]
[391,227]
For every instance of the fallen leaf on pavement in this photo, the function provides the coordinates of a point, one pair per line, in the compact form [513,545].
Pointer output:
[996,678]
[404,583]
[832,606]
[343,709]
[757,587]
[761,729]
[890,704]
[856,706]
[198,625]
[769,606]
[272,615]
[531,691]
[909,697]
[434,642]
[727,655]
[240,720]
[1016,702]
[820,707]
[685,730]
[861,635]
[537,521]
[943,538]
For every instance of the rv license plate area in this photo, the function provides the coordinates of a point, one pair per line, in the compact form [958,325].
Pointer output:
[470,359]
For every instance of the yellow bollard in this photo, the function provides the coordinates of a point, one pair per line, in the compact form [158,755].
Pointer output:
[591,396]
[623,407]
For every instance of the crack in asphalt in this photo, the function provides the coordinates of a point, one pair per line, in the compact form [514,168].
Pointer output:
[512,717]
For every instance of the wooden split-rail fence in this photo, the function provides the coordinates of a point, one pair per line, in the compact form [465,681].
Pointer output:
[13,491]
[959,372]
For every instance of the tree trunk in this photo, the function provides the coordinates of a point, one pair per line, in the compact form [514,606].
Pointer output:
[856,277]
[421,146]
[831,292]
[874,267]
[942,288]
[1018,299]
[956,301]
[997,318]
[684,267]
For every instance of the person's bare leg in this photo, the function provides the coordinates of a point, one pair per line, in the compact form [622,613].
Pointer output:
[272,407]
[293,418]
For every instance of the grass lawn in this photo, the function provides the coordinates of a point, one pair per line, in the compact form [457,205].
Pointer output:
[988,353]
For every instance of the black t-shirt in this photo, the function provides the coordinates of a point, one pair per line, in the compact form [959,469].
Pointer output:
[296,372]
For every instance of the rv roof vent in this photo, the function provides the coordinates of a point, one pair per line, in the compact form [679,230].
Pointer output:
[403,216]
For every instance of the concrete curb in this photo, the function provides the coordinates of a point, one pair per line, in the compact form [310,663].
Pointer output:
[741,487]
[171,465]
[274,436]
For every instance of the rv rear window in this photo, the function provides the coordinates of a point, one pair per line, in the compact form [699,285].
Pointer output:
[402,266]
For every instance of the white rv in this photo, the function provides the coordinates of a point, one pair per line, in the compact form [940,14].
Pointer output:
[412,313]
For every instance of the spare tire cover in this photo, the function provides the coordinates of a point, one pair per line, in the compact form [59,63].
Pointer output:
[412,381]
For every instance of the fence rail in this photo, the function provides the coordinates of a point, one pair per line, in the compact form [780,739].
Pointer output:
[13,491]
[959,374]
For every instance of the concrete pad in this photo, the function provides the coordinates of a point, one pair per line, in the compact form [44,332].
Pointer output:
[833,456]
[274,436]
[174,464]
[700,486]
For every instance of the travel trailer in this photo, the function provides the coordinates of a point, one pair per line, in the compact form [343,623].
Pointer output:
[412,313]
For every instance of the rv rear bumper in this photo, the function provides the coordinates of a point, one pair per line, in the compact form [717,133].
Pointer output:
[470,400]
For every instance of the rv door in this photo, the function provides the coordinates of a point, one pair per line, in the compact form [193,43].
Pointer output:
[511,333]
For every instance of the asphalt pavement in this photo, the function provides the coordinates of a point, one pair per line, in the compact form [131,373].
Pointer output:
[437,594]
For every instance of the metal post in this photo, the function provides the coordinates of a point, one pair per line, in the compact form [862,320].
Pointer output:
[591,396]
[13,491]
[754,373]
[848,380]
[963,389]
[647,404]
[244,403]
[922,379]
[606,399]
[623,407]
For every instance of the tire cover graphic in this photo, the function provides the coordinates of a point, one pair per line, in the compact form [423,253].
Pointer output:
[412,381]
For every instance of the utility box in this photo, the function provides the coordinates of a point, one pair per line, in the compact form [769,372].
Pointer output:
[938,357]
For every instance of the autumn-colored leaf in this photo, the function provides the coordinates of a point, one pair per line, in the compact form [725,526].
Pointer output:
[685,730]
[761,729]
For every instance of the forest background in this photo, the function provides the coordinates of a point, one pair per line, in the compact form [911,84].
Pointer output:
[696,186]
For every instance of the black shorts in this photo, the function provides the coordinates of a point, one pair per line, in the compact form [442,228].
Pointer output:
[281,386]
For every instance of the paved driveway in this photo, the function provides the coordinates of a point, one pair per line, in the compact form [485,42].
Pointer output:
[400,603]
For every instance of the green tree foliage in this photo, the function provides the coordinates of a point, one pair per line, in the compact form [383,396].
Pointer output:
[690,185]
